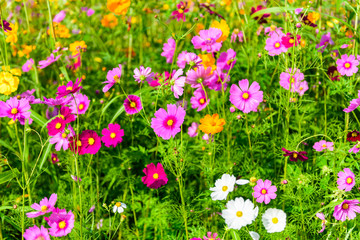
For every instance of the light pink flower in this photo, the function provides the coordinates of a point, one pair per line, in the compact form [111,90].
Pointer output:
[246,98]
[323,221]
[347,65]
[321,145]
[177,83]
[353,104]
[346,180]
[169,50]
[208,40]
[45,206]
[143,74]
[264,191]
[193,129]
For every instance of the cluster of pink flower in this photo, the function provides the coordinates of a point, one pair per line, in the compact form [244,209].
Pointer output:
[61,222]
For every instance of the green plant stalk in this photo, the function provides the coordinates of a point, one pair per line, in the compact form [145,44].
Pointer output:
[249,139]
[133,210]
[52,30]
[5,46]
[183,206]
[26,16]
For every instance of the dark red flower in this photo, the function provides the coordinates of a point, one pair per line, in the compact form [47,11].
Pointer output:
[333,73]
[353,136]
[260,19]
[294,156]
[6,26]
[306,21]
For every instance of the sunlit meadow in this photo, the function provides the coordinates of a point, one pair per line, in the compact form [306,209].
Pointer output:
[193,119]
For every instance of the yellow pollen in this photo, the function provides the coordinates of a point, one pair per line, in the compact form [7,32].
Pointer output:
[224,188]
[347,65]
[133,104]
[116,78]
[275,220]
[62,116]
[354,134]
[118,204]
[58,125]
[54,159]
[64,135]
[277,45]
[112,135]
[291,41]
[345,206]
[202,101]
[209,39]
[81,106]
[14,111]
[79,143]
[91,141]
[44,208]
[245,95]
[334,54]
[170,122]
[181,11]
[156,176]
[324,145]
[292,80]
[62,224]
[263,191]
[40,238]
[239,213]
[295,155]
[349,180]
[69,89]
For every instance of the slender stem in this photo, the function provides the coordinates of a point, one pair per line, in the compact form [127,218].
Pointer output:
[133,209]
[248,134]
[183,206]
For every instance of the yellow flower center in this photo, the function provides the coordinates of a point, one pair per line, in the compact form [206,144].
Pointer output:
[245,96]
[354,134]
[295,155]
[324,145]
[292,80]
[345,206]
[239,213]
[291,41]
[79,143]
[64,135]
[133,104]
[69,89]
[277,45]
[263,191]
[112,135]
[156,176]
[202,101]
[91,141]
[40,238]
[347,65]
[170,122]
[62,224]
[334,54]
[224,188]
[54,158]
[44,208]
[118,204]
[58,125]
[349,180]
[14,111]
[116,78]
[275,220]
[181,11]
[81,106]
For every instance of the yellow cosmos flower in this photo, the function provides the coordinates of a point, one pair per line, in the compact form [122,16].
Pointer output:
[212,124]
[119,7]
[313,17]
[77,46]
[208,61]
[12,35]
[8,83]
[222,25]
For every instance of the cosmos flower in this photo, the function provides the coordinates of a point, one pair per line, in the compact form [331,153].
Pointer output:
[61,223]
[346,180]
[291,77]
[189,58]
[90,142]
[211,124]
[321,145]
[55,126]
[294,155]
[155,176]
[119,207]
[237,34]
[211,236]
[69,88]
[264,191]
[60,16]
[324,42]
[79,104]
[346,210]
[353,136]
[167,124]
[50,60]
[347,65]
[28,65]
[355,148]
[353,104]
[289,40]
[180,13]
[218,81]
[260,19]
[200,100]
[193,129]
[54,158]
[132,104]
[223,186]
[226,60]
[52,102]
[61,139]
[246,98]
[177,83]
[207,41]
[113,135]
[16,110]
[36,233]
[274,45]
[302,88]
[65,114]
[223,27]
[323,221]
[143,74]
[45,206]
[112,77]
[274,220]
[169,50]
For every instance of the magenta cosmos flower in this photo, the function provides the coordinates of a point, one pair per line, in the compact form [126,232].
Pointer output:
[346,180]
[62,139]
[323,221]
[208,40]
[261,19]
[227,60]
[321,145]
[79,104]
[61,223]
[294,155]
[355,149]
[291,77]
[143,74]
[198,101]
[69,88]
[113,135]
[289,40]
[45,206]
[177,83]
[167,124]
[54,158]
[59,17]
[353,104]
[347,209]
[211,236]
[65,113]
[264,191]
[27,65]
[16,109]
[324,42]
[155,177]
[90,142]
[113,76]
[198,76]
[193,129]
[132,104]
[218,81]
[169,50]
[180,13]
[55,126]
[347,65]
[36,233]
[189,58]
[246,98]
[274,45]
[52,102]
[50,60]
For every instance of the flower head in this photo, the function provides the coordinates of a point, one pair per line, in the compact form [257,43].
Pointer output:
[321,145]
[200,100]
[292,77]
[28,65]
[61,223]
[211,124]
[180,13]
[143,74]
[223,27]
[16,110]
[45,206]
[109,20]
[113,135]
[208,40]
[169,50]
[353,136]
[333,73]
[324,42]
[347,65]
[226,60]
[119,7]
[119,207]
[55,126]
[177,82]
[200,75]
[274,44]
[79,104]
[346,180]
[290,41]
[246,98]
[50,60]
[353,104]
[112,77]
[155,176]
[323,221]
[211,236]
[69,88]
[189,58]
[223,186]
[355,148]
[260,19]
[294,155]
[36,233]
[264,191]
[61,139]
[132,104]
[193,129]
[346,210]
[274,220]
[237,34]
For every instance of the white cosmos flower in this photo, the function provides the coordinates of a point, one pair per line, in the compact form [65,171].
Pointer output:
[274,220]
[242,181]
[223,186]
[119,207]
[239,213]
[254,235]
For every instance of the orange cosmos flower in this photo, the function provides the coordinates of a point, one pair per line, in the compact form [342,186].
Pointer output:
[109,21]
[211,124]
[119,7]
[313,17]
[222,25]
[208,61]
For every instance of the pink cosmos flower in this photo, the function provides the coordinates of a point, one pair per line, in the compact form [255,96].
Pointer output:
[289,40]
[347,65]
[274,45]
[208,40]
[323,221]
[324,42]
[69,88]
[218,80]
[177,83]
[198,101]
[92,209]
[261,19]
[302,88]
[113,76]
[79,104]
[28,95]
[45,206]
[246,98]
[90,12]
[169,50]
[155,177]
[298,10]
[355,149]
[321,145]
[237,34]
[36,233]
[51,102]
[193,129]
[211,236]
[113,135]
[226,60]
[264,191]
[16,110]
[347,209]
[132,104]
[28,65]
[291,77]
[189,58]
[346,180]
[75,178]
[55,126]
[54,158]
[62,139]
[90,142]
[61,223]
[167,124]
[198,76]
[143,74]
[65,113]
[50,60]
[353,104]
[180,13]
[59,17]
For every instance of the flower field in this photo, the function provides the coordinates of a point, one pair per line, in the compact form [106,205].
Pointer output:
[193,119]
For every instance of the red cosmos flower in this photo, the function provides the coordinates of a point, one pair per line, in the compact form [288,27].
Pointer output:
[353,136]
[333,73]
[294,156]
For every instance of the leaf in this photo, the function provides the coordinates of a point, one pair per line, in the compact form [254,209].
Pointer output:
[45,155]
[8,175]
[272,10]
[3,143]
[119,111]
[63,71]
[109,103]
[37,118]
[234,235]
